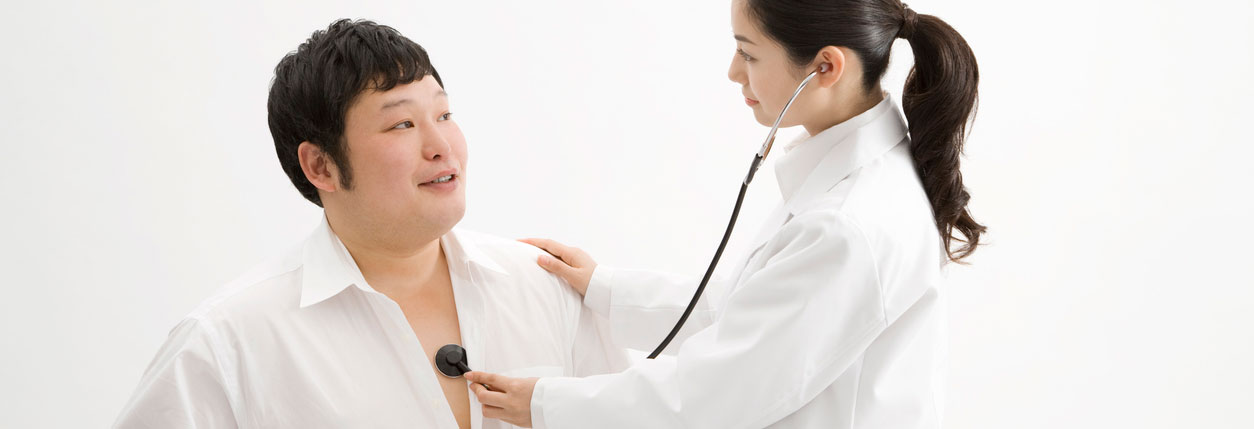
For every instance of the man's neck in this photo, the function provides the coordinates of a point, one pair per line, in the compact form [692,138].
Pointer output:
[396,270]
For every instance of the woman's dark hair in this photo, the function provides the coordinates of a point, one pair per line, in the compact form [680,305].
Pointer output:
[314,86]
[940,95]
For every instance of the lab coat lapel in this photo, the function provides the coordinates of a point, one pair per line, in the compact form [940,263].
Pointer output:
[773,222]
[850,145]
[863,145]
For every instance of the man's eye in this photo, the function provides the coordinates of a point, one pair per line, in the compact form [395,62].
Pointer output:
[403,125]
[446,116]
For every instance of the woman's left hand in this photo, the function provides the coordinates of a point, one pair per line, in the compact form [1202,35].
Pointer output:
[508,401]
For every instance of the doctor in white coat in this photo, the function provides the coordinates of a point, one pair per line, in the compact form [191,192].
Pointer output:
[836,319]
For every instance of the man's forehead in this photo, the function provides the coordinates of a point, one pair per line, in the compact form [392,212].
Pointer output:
[406,95]
[405,100]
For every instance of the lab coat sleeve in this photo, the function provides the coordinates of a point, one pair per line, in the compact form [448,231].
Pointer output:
[787,332]
[183,387]
[643,306]
[592,350]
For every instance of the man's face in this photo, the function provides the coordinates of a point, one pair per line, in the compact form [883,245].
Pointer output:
[403,148]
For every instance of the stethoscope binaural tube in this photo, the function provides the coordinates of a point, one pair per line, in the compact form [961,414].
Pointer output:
[450,360]
[740,199]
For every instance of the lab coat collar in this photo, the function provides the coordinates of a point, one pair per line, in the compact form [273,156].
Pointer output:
[328,268]
[812,165]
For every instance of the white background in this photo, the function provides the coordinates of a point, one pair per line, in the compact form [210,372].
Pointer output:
[1110,160]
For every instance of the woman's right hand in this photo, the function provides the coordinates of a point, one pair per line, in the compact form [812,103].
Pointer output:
[568,263]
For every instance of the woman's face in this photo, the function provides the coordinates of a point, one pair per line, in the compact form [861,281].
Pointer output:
[762,68]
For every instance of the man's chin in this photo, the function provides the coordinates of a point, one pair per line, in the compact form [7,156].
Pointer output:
[444,220]
[453,219]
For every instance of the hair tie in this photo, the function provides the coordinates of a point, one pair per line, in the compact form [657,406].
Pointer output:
[909,20]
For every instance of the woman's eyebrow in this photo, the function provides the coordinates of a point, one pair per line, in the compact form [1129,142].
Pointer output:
[744,39]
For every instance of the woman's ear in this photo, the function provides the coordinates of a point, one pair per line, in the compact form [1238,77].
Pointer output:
[318,167]
[830,62]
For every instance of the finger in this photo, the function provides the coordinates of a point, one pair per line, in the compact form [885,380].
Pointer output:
[557,249]
[554,265]
[488,397]
[493,412]
[486,378]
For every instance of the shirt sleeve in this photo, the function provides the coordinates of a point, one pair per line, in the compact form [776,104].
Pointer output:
[641,307]
[183,387]
[785,335]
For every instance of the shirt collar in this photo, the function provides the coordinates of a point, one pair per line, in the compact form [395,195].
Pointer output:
[464,248]
[812,165]
[328,268]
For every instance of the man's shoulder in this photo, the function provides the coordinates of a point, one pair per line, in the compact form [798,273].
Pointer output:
[512,255]
[519,261]
[265,287]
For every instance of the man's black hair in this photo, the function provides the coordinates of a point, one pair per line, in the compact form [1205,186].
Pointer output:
[314,86]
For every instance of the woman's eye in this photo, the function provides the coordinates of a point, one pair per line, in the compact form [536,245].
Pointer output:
[403,125]
[446,116]
[743,55]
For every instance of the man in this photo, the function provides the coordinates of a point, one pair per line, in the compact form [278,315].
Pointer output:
[343,331]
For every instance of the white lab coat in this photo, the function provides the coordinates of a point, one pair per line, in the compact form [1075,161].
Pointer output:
[835,320]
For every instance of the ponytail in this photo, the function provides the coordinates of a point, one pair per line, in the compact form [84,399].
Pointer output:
[940,96]
[940,93]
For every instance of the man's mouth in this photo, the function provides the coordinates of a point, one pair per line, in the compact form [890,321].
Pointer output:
[443,179]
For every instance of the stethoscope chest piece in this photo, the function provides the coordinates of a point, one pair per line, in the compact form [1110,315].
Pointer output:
[451,361]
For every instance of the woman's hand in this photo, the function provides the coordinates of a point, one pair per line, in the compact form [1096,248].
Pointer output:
[508,401]
[571,264]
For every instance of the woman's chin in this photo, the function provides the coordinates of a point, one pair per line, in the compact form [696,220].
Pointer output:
[760,115]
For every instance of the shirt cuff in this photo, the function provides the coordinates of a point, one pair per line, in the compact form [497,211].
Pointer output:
[597,297]
[537,411]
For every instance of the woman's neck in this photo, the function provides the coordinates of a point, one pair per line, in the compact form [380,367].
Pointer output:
[844,111]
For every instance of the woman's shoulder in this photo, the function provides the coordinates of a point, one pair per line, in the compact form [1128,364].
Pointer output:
[883,201]
[891,227]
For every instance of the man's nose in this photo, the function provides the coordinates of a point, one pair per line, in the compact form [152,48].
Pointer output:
[434,146]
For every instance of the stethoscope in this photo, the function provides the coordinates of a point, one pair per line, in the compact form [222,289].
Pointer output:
[451,359]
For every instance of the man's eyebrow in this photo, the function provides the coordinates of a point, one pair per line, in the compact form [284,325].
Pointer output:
[399,102]
[744,39]
[395,103]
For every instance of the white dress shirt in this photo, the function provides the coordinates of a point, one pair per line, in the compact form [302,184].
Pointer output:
[304,342]
[834,321]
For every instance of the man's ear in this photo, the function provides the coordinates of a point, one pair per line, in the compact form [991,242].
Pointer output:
[319,169]
[834,58]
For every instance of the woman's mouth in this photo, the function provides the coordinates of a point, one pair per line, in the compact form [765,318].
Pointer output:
[751,102]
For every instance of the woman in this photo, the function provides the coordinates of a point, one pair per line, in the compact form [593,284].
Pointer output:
[836,318]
